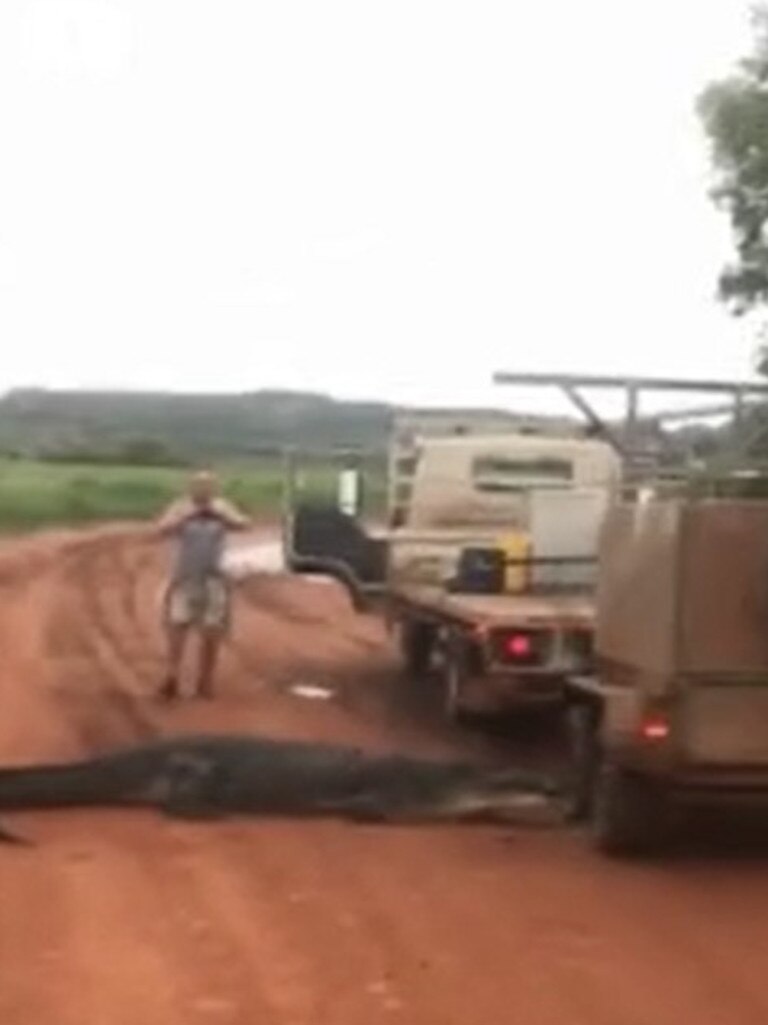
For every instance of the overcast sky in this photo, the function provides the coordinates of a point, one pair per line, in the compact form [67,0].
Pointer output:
[384,198]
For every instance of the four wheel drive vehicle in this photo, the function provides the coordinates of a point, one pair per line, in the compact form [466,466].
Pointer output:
[490,573]
[677,711]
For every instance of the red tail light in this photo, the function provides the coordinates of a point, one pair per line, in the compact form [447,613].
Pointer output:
[654,729]
[519,646]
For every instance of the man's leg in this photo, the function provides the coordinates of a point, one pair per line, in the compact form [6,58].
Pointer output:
[177,629]
[177,642]
[210,646]
[213,629]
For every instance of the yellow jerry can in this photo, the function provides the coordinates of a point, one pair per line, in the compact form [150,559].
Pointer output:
[516,546]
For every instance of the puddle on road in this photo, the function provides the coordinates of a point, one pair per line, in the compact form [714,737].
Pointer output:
[257,558]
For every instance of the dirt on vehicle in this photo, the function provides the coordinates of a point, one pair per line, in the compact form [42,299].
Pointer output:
[119,917]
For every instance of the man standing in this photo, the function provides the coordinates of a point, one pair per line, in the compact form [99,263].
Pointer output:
[198,595]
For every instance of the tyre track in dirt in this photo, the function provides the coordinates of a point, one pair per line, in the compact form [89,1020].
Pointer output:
[100,678]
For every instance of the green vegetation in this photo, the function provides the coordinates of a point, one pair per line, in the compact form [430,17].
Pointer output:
[69,458]
[40,494]
[735,117]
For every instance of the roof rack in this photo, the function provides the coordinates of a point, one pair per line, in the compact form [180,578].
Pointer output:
[640,439]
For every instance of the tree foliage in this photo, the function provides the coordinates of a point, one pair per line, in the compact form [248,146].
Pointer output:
[735,116]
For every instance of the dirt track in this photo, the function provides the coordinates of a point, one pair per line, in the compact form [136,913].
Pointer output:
[126,918]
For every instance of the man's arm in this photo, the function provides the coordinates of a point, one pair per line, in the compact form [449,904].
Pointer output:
[231,516]
[173,517]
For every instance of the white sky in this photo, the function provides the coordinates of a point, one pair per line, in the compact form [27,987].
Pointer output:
[377,198]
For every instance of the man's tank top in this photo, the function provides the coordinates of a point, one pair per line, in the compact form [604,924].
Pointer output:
[200,545]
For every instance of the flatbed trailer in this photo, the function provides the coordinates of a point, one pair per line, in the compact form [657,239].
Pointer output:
[493,652]
[566,611]
[488,579]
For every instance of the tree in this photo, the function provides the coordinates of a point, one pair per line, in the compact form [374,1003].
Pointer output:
[735,116]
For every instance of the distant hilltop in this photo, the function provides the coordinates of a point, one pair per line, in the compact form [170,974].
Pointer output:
[160,426]
[38,422]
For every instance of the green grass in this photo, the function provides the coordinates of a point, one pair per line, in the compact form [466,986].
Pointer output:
[37,494]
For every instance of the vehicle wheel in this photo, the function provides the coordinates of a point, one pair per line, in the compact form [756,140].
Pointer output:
[629,813]
[581,721]
[417,644]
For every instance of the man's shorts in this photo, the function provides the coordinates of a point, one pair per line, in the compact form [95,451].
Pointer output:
[206,605]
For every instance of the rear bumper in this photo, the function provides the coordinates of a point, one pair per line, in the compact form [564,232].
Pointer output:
[739,787]
[499,691]
[722,799]
[708,784]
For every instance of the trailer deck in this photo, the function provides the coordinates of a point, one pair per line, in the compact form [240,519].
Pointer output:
[566,611]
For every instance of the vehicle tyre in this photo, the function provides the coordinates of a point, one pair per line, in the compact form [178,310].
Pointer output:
[629,813]
[581,726]
[417,645]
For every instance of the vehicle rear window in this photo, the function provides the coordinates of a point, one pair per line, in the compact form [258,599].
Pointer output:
[502,474]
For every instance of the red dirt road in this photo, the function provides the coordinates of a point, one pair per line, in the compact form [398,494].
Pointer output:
[118,918]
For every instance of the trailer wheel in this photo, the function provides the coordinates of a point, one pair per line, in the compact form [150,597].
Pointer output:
[417,644]
[629,815]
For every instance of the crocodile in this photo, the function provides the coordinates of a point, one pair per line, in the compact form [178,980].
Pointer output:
[211,776]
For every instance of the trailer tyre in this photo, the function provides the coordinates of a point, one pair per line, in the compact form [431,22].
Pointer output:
[417,645]
[629,814]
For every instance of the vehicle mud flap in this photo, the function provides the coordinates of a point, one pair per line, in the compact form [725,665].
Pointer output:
[454,683]
[456,672]
[630,813]
[583,760]
[417,645]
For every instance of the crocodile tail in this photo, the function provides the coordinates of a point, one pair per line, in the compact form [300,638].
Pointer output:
[54,786]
